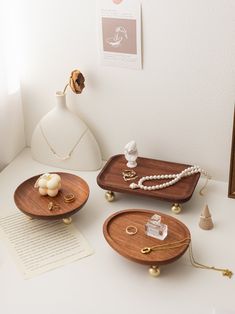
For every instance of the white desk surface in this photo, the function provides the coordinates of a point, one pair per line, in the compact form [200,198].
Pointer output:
[106,282]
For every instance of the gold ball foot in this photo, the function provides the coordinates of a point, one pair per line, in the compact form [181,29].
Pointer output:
[67,221]
[154,271]
[176,208]
[109,195]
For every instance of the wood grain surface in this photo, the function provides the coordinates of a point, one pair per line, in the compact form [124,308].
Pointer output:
[130,246]
[110,178]
[30,202]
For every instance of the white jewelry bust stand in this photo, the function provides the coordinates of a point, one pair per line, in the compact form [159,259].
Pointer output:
[61,139]
[131,154]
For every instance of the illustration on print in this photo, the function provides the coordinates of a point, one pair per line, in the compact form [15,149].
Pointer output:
[119,36]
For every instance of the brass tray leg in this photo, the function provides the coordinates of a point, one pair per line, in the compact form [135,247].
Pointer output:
[176,208]
[67,221]
[154,271]
[109,195]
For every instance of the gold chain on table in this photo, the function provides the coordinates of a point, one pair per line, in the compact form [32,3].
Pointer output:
[225,272]
[208,177]
[186,241]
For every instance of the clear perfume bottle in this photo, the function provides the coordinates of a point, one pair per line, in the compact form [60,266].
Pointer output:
[154,228]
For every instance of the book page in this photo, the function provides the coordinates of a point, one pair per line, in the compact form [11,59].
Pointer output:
[38,246]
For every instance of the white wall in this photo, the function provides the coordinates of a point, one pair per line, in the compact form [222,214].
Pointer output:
[178,108]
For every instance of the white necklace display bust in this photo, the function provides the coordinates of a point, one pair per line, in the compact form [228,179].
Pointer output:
[61,139]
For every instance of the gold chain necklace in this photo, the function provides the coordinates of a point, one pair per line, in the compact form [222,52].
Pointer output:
[225,272]
[186,241]
[53,150]
[165,246]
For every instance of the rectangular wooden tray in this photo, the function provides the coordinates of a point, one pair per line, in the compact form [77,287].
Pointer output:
[110,178]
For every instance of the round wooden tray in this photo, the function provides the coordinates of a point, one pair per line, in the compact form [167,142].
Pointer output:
[130,246]
[30,202]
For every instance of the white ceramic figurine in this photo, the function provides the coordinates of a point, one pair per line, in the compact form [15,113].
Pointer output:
[131,154]
[48,184]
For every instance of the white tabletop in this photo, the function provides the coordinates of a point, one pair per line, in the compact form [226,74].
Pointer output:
[106,282]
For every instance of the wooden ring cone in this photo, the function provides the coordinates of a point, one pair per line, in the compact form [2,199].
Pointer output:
[205,221]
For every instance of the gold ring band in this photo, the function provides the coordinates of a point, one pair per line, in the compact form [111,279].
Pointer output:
[131,230]
[68,198]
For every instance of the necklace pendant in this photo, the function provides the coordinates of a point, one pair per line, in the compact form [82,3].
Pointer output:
[134,186]
[65,158]
[62,158]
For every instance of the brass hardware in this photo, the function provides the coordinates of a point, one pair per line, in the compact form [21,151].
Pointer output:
[176,208]
[67,221]
[154,271]
[109,195]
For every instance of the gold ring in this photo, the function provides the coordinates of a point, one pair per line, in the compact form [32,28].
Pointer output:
[69,198]
[131,230]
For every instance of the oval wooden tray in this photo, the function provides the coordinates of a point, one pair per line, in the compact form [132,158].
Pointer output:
[30,202]
[129,246]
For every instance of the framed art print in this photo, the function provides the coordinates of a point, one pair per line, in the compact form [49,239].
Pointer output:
[119,32]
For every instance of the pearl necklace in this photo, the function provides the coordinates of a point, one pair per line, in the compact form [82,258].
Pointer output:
[174,179]
[54,152]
